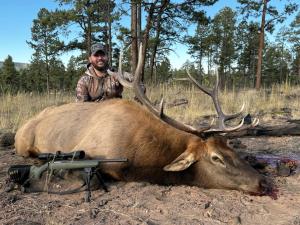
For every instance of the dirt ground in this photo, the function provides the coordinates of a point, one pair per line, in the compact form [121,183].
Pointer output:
[143,203]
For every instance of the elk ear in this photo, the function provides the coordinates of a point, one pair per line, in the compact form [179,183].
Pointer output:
[182,162]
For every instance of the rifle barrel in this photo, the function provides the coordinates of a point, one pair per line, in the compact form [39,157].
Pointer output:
[112,160]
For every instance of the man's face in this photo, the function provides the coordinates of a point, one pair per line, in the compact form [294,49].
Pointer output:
[99,60]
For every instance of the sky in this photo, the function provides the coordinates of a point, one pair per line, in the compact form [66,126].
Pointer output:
[15,24]
[16,21]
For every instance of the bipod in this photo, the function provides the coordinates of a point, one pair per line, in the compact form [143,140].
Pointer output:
[89,173]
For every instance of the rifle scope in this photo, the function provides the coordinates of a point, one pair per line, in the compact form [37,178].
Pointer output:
[80,154]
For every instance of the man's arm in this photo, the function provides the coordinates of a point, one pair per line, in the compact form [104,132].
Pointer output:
[82,94]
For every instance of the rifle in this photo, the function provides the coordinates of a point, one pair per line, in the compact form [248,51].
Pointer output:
[24,174]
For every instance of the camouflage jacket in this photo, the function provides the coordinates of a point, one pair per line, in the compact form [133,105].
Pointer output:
[93,88]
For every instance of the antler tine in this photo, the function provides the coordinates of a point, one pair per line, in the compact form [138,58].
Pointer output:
[212,93]
[239,127]
[137,84]
[161,107]
[202,88]
[221,115]
[205,90]
[120,76]
[235,115]
[255,122]
[221,127]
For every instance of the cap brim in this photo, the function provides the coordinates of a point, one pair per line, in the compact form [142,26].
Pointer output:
[99,50]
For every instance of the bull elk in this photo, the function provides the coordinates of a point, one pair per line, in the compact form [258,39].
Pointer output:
[159,149]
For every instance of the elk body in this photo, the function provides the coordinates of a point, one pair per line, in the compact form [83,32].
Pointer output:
[158,148]
[156,151]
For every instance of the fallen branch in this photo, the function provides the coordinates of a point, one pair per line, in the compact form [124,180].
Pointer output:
[178,102]
[292,128]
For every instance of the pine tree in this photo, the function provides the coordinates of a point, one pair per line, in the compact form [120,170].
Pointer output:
[247,42]
[200,45]
[275,65]
[293,35]
[73,72]
[9,76]
[93,20]
[224,24]
[45,41]
[269,15]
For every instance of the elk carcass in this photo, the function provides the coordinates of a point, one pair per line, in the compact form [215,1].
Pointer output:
[159,149]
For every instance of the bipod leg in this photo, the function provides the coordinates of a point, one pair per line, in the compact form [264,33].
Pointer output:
[98,174]
[88,177]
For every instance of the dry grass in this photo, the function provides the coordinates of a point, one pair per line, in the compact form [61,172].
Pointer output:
[16,109]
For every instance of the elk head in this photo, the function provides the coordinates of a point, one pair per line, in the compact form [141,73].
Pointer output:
[207,161]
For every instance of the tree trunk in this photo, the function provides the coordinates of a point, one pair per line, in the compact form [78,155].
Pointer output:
[47,70]
[88,38]
[48,77]
[146,33]
[209,61]
[109,35]
[298,67]
[221,77]
[155,44]
[200,66]
[261,46]
[139,23]
[134,44]
[149,25]
[152,62]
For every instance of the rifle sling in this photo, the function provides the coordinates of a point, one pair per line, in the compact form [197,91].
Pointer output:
[72,191]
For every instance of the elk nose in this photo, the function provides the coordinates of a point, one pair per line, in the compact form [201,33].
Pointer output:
[264,186]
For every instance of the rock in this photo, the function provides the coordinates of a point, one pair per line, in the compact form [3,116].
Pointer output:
[151,222]
[283,169]
[236,220]
[6,138]
[207,205]
[103,202]
[93,213]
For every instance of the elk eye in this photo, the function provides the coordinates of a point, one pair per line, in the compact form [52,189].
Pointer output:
[218,160]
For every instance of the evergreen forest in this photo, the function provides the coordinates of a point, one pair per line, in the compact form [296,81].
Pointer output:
[250,46]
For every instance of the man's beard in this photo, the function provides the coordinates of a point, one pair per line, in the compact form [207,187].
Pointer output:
[101,68]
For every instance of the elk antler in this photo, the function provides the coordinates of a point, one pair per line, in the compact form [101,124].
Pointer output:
[222,117]
[138,88]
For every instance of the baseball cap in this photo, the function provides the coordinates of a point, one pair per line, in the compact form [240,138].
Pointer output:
[96,48]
